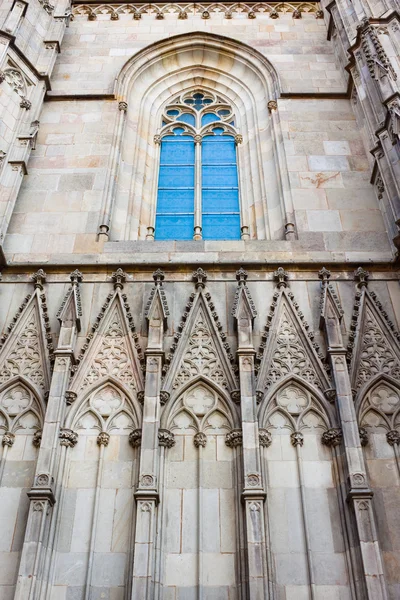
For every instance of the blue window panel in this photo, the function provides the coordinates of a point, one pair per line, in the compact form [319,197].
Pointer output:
[221,227]
[172,201]
[218,150]
[187,118]
[176,176]
[220,201]
[174,227]
[217,176]
[180,151]
[209,118]
[173,112]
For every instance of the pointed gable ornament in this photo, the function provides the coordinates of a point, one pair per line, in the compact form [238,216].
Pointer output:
[331,312]
[373,347]
[288,346]
[200,346]
[26,348]
[157,300]
[108,350]
[71,307]
[243,310]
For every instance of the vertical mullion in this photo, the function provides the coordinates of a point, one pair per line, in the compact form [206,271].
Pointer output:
[197,190]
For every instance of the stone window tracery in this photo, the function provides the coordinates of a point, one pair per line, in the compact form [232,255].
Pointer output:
[198,186]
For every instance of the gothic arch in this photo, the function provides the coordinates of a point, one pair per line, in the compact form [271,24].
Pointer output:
[386,404]
[84,405]
[171,410]
[216,64]
[299,383]
[28,403]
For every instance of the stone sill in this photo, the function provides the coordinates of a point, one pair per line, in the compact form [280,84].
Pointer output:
[262,252]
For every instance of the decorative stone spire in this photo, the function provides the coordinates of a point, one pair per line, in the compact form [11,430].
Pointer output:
[281,277]
[118,278]
[199,277]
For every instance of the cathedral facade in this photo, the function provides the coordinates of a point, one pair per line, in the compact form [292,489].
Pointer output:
[199,300]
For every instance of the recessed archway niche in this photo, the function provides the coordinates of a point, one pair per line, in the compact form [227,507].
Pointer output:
[147,82]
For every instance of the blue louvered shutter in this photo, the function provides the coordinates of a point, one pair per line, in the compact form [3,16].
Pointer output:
[220,190]
[175,198]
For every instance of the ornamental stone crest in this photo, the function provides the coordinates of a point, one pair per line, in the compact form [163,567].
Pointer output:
[201,355]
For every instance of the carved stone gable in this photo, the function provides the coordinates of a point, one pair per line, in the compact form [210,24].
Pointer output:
[376,353]
[23,353]
[201,355]
[289,350]
[111,353]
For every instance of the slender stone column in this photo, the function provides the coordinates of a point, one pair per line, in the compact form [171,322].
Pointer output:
[32,570]
[359,493]
[253,495]
[147,495]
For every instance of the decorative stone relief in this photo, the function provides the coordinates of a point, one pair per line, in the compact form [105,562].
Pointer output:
[297,438]
[68,438]
[201,356]
[380,412]
[206,10]
[135,438]
[265,438]
[112,357]
[103,438]
[234,438]
[20,411]
[16,81]
[25,356]
[332,437]
[166,438]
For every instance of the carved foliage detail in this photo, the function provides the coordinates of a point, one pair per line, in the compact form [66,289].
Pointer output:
[112,357]
[290,357]
[201,356]
[376,354]
[25,356]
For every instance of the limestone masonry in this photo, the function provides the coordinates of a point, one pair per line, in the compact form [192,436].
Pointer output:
[184,417]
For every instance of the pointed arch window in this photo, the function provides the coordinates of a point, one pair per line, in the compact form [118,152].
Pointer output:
[198,186]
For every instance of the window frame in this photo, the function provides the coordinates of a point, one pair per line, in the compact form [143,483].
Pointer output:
[226,122]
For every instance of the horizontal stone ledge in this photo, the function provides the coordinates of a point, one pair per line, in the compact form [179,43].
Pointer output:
[138,258]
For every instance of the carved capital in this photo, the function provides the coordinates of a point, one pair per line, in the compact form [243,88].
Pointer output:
[25,103]
[103,438]
[238,138]
[135,438]
[332,437]
[164,397]
[200,440]
[2,76]
[118,278]
[330,395]
[259,396]
[166,438]
[264,438]
[8,439]
[297,14]
[123,106]
[68,438]
[37,438]
[234,438]
[297,438]
[140,397]
[363,433]
[235,396]
[272,106]
[393,437]
[157,139]
[70,397]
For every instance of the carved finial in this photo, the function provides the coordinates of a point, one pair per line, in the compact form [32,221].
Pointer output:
[76,277]
[39,278]
[324,275]
[158,276]
[241,276]
[119,278]
[272,105]
[199,277]
[281,277]
[362,276]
